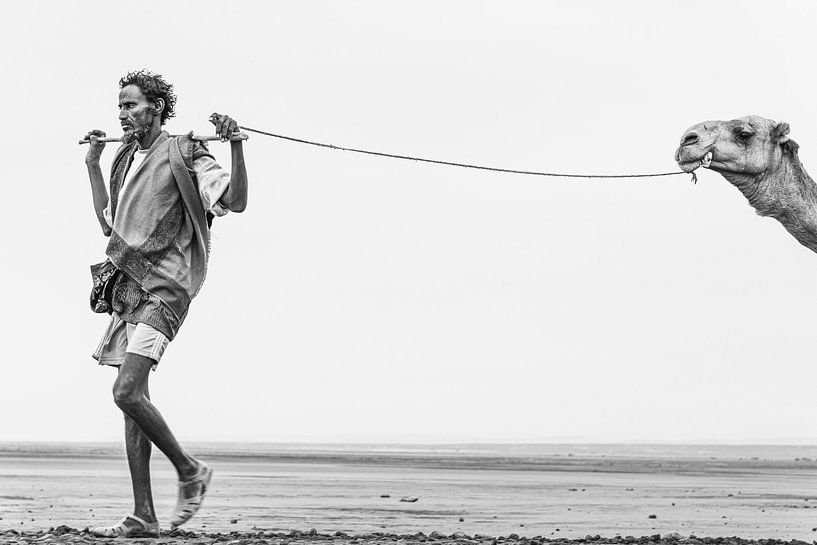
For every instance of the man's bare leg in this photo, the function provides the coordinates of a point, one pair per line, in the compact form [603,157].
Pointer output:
[131,396]
[138,448]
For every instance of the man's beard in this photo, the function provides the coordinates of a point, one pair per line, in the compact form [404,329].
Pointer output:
[139,128]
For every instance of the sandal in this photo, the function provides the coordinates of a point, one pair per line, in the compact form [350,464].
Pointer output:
[187,507]
[120,529]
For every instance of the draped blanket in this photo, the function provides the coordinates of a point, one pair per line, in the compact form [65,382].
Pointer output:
[160,238]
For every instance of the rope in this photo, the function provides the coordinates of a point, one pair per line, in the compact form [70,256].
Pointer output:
[464,165]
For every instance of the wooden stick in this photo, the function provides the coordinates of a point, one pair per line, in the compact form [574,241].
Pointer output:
[200,137]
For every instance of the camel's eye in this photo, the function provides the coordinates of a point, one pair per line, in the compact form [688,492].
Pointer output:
[743,135]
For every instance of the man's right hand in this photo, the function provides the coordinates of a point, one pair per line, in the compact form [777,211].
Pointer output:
[96,147]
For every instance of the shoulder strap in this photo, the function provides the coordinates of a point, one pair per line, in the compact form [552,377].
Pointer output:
[189,192]
[191,150]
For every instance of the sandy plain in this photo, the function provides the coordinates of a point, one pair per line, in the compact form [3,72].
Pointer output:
[309,494]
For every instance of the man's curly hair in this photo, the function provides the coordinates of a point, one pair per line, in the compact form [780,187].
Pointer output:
[153,86]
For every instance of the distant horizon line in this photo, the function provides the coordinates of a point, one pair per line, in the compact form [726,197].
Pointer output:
[768,442]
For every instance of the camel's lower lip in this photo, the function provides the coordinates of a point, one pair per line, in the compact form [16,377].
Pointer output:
[689,166]
[690,163]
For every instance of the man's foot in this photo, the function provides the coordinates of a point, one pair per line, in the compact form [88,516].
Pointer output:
[129,526]
[191,495]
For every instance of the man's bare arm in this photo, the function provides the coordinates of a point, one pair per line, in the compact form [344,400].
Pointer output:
[98,190]
[235,198]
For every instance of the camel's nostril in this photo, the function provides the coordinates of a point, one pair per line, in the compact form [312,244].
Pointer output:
[689,139]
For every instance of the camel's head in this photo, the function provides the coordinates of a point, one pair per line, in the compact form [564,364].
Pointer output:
[742,150]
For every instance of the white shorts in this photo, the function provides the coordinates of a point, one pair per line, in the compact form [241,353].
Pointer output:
[121,337]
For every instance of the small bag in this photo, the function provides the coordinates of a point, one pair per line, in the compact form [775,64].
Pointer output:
[103,276]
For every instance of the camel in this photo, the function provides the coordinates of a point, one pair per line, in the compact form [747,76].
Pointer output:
[757,156]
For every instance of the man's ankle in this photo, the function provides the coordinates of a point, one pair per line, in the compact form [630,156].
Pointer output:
[190,471]
[148,517]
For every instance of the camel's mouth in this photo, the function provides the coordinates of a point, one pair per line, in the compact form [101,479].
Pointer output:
[690,164]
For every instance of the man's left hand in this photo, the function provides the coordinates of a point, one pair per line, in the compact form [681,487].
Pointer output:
[226,126]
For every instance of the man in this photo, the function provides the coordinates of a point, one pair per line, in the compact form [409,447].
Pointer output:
[163,193]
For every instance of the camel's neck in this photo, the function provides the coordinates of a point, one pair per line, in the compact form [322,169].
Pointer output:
[786,193]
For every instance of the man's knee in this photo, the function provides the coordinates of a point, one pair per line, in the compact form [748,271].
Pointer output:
[126,396]
[130,388]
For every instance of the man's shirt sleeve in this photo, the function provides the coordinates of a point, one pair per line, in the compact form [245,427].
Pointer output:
[213,181]
[107,215]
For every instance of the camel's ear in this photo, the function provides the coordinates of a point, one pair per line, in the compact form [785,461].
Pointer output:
[781,132]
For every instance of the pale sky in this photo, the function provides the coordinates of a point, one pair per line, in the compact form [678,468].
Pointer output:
[368,299]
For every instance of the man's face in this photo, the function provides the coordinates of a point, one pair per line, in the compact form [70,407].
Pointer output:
[136,113]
